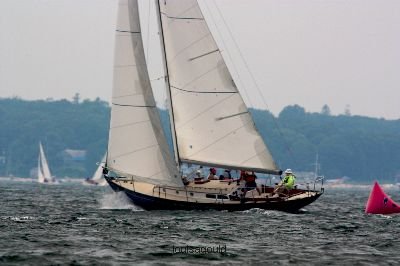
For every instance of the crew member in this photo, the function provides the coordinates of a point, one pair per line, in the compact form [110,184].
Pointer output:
[286,184]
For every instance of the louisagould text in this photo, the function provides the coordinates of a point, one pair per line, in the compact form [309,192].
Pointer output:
[199,250]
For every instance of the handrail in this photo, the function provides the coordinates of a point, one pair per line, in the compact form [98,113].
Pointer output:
[171,191]
[321,178]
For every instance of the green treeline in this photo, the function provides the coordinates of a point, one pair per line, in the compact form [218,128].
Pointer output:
[361,148]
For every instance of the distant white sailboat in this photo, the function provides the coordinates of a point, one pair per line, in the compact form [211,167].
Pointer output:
[44,175]
[97,178]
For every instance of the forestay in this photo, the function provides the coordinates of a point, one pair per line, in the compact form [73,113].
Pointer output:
[212,123]
[137,146]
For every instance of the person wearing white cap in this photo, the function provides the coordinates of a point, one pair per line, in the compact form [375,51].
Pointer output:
[198,176]
[286,184]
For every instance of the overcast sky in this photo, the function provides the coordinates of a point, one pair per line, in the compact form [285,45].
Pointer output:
[341,53]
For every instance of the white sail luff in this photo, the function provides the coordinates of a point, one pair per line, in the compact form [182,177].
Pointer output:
[137,146]
[167,86]
[213,125]
[41,178]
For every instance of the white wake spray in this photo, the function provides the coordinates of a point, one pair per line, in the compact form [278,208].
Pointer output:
[117,201]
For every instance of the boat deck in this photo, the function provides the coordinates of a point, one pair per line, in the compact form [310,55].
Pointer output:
[214,191]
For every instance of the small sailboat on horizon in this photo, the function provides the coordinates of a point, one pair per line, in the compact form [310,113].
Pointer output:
[97,178]
[210,123]
[43,170]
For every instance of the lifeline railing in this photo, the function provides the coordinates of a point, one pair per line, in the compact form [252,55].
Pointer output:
[172,192]
[175,192]
[313,183]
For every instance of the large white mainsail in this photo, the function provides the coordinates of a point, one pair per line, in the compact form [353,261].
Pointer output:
[137,146]
[212,123]
[44,174]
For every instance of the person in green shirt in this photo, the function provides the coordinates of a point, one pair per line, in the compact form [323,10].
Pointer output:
[286,184]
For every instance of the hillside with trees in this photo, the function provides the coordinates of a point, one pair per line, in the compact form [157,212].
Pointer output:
[361,148]
[59,125]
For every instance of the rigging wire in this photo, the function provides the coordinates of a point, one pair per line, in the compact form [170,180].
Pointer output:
[289,150]
[148,30]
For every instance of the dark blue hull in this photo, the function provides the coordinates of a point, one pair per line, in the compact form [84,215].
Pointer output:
[155,203]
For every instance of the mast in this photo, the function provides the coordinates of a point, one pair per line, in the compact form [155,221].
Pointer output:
[316,166]
[168,86]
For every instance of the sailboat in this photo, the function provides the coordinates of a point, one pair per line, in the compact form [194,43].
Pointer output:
[210,123]
[97,178]
[44,175]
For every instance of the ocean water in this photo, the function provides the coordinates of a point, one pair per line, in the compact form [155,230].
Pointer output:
[72,224]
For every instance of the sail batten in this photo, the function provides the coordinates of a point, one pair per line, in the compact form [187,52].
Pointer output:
[137,146]
[203,91]
[125,31]
[131,105]
[213,125]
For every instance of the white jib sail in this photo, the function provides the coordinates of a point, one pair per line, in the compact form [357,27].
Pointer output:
[137,146]
[98,175]
[212,123]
